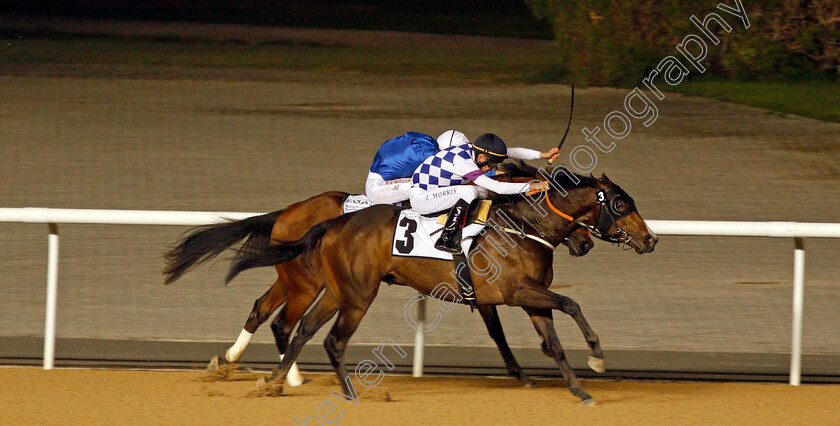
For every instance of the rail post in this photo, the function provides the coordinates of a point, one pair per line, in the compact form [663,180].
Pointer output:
[419,336]
[52,296]
[798,297]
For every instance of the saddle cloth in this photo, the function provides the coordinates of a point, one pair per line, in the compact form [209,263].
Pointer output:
[356,202]
[415,234]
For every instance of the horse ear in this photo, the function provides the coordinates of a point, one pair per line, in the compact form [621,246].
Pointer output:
[605,178]
[598,181]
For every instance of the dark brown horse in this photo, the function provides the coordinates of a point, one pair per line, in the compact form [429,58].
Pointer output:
[352,254]
[294,288]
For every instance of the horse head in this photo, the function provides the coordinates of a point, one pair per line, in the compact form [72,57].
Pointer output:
[579,242]
[618,219]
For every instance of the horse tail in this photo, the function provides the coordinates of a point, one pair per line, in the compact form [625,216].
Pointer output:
[270,254]
[203,243]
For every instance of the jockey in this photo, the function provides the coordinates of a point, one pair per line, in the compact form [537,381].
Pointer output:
[389,179]
[436,183]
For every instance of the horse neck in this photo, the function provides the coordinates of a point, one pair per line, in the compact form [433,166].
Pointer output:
[536,217]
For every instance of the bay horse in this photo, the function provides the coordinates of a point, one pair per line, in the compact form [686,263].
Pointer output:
[352,255]
[294,289]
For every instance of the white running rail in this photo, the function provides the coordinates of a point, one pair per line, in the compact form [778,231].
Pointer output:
[52,217]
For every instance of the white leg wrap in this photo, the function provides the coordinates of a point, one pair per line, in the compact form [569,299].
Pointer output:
[235,351]
[294,378]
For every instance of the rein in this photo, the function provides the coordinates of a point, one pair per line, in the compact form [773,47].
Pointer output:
[523,234]
[525,220]
[606,218]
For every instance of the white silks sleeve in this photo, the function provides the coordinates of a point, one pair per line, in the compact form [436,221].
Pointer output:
[380,191]
[501,187]
[523,153]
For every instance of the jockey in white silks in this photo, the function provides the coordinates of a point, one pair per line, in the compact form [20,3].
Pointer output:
[389,179]
[436,184]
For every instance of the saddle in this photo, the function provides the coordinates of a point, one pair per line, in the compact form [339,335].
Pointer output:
[478,212]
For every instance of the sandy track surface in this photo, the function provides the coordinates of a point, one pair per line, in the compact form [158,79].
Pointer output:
[72,397]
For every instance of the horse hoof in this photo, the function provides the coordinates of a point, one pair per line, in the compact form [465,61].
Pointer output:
[596,364]
[214,364]
[267,388]
[589,402]
[529,385]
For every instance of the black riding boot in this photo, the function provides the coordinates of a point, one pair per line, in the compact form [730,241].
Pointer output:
[450,237]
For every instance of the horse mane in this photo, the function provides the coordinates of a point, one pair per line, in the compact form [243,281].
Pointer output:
[517,207]
[518,168]
[515,168]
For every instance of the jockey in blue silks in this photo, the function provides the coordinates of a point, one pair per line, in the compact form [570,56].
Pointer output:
[389,179]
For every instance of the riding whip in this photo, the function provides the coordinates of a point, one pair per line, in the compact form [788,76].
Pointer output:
[571,110]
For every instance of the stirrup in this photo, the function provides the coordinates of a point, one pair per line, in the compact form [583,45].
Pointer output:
[453,247]
[449,241]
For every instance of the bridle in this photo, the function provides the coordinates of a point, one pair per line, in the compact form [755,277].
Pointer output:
[614,204]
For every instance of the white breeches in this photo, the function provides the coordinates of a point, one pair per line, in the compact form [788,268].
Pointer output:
[380,191]
[435,200]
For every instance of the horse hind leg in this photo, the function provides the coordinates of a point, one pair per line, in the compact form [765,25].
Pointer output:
[541,318]
[262,310]
[298,302]
[336,343]
[285,321]
[282,330]
[324,309]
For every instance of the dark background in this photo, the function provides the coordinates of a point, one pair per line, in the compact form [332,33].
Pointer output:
[510,18]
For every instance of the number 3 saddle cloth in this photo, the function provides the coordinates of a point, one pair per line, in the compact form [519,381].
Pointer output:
[415,234]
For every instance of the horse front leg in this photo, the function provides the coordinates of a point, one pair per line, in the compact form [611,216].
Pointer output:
[542,298]
[542,320]
[491,319]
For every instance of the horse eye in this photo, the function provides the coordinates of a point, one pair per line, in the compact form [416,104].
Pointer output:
[620,205]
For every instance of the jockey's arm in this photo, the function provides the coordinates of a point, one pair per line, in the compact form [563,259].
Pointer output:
[493,185]
[469,170]
[532,154]
[523,153]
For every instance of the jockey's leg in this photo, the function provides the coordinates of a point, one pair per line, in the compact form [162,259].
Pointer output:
[435,200]
[458,198]
[380,191]
[450,237]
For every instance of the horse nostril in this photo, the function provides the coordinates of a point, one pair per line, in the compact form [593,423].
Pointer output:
[650,241]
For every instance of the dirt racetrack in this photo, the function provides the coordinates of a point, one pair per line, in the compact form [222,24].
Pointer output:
[35,396]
